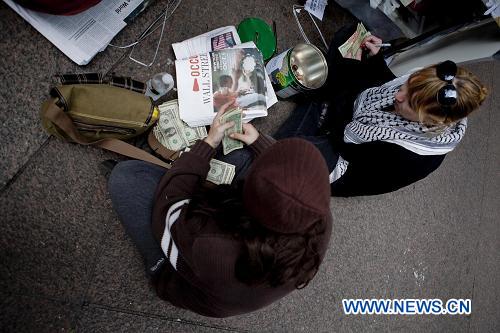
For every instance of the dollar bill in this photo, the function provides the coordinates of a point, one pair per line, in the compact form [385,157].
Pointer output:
[344,48]
[352,46]
[190,134]
[362,34]
[228,144]
[201,131]
[172,132]
[220,172]
[169,131]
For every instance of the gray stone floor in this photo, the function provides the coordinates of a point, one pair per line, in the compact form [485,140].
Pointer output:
[67,265]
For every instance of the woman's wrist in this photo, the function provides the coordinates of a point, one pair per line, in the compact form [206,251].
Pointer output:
[210,142]
[203,149]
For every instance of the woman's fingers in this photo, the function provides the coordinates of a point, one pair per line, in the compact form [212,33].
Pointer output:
[226,126]
[249,135]
[237,136]
[216,133]
[372,39]
[249,128]
[218,115]
[370,43]
[372,47]
[358,54]
[223,109]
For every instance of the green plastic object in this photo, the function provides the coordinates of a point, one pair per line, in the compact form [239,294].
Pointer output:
[256,30]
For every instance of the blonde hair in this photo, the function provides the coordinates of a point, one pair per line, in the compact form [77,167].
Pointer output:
[423,87]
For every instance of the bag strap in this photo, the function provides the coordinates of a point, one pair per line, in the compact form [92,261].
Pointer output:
[121,147]
[64,122]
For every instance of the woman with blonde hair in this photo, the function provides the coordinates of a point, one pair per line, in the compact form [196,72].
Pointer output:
[379,132]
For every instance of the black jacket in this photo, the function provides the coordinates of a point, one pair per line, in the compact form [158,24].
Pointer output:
[375,167]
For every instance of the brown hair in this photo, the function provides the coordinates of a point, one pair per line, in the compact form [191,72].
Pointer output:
[267,256]
[424,85]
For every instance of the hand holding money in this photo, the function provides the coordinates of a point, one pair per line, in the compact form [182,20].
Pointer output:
[233,116]
[352,47]
[249,135]
[218,128]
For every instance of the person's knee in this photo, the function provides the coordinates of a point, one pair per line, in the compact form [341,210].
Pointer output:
[121,177]
[133,178]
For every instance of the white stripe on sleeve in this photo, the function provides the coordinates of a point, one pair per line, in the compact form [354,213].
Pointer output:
[172,215]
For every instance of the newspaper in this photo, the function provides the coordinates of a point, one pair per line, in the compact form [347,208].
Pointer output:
[214,40]
[82,36]
[211,41]
[493,9]
[316,7]
[234,76]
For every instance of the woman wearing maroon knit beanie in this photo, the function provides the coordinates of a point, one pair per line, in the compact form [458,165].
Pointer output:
[230,249]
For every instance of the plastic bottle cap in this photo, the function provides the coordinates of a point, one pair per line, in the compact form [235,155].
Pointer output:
[159,85]
[168,80]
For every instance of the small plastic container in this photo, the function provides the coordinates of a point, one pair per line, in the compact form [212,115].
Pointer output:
[159,85]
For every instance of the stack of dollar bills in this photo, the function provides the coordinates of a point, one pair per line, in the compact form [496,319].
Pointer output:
[176,135]
[172,132]
[220,172]
[229,144]
[353,45]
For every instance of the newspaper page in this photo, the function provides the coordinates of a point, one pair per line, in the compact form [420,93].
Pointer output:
[316,7]
[493,9]
[209,80]
[271,98]
[214,40]
[81,36]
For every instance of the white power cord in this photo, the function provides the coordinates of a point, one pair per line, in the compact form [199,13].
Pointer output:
[166,13]
[317,28]
[297,9]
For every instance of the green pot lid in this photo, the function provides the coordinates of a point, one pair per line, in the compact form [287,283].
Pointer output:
[255,30]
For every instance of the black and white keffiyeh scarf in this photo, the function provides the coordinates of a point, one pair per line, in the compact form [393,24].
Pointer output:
[371,123]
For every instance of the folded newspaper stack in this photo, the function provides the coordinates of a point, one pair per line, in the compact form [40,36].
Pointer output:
[83,35]
[220,71]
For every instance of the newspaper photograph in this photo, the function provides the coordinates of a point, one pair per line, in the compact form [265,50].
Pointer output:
[234,76]
[214,40]
[238,78]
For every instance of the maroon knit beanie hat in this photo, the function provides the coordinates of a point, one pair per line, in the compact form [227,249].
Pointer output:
[287,187]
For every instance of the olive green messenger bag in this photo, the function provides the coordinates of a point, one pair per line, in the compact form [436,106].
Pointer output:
[101,115]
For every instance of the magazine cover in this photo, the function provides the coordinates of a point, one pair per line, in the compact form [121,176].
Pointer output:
[230,76]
